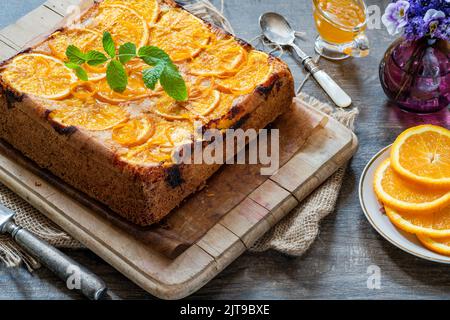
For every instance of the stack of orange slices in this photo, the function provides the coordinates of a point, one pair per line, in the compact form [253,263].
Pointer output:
[145,124]
[414,185]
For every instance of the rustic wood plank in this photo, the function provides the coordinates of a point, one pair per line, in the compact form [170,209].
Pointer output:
[31,27]
[66,7]
[6,51]
[274,198]
[293,174]
[9,43]
[246,220]
[22,182]
[223,245]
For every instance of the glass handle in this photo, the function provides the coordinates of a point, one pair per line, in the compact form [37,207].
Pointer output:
[360,46]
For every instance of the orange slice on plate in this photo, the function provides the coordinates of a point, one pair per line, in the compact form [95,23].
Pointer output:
[96,117]
[439,245]
[133,132]
[85,40]
[124,24]
[436,224]
[222,58]
[422,154]
[180,34]
[148,9]
[401,194]
[256,71]
[39,75]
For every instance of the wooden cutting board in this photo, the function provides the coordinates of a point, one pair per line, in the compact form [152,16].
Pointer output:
[313,145]
[327,148]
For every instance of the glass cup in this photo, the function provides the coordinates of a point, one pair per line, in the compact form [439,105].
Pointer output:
[341,25]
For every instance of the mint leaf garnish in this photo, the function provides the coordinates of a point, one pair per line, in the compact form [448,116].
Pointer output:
[71,65]
[79,71]
[95,58]
[152,75]
[108,44]
[127,52]
[169,75]
[153,55]
[75,55]
[164,70]
[173,83]
[116,76]
[81,74]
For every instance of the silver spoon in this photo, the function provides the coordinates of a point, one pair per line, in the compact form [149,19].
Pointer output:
[277,30]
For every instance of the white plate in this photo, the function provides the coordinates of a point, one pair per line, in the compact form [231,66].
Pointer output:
[373,210]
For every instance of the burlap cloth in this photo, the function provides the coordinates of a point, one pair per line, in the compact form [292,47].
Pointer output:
[292,235]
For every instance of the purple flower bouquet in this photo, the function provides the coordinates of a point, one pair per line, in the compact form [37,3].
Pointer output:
[415,71]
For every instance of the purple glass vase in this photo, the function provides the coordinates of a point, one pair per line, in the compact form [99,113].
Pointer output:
[416,74]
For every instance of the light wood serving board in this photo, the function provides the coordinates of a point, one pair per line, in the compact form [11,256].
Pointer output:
[327,148]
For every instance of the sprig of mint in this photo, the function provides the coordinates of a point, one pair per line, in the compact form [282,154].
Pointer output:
[162,68]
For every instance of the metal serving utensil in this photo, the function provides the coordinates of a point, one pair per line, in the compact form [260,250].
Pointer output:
[64,267]
[278,30]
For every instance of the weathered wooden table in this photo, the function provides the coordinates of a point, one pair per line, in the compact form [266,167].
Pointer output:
[337,264]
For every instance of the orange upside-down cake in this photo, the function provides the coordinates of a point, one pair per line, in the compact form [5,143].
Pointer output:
[117,146]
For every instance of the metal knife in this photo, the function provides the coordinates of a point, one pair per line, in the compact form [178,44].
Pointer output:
[64,267]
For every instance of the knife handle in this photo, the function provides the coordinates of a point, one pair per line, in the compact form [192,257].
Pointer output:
[73,274]
[336,93]
[339,97]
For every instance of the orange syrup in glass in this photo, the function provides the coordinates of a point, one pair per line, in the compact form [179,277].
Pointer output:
[338,21]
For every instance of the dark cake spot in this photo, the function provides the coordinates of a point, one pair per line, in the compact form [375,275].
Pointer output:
[61,129]
[266,90]
[240,122]
[66,131]
[12,98]
[234,112]
[174,178]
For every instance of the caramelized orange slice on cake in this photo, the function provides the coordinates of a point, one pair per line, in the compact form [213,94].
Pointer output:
[134,132]
[224,106]
[398,193]
[124,24]
[83,90]
[85,40]
[170,109]
[255,71]
[180,34]
[148,9]
[39,75]
[203,99]
[159,148]
[94,117]
[422,154]
[221,58]
[135,90]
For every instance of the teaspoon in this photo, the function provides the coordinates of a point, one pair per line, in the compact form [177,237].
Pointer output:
[277,30]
